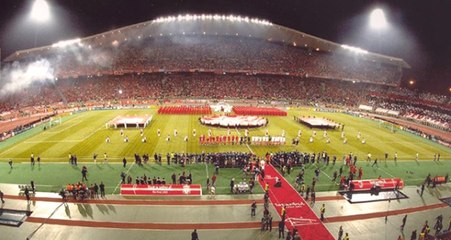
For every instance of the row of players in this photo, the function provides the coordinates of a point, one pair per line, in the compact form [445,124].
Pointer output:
[255,140]
[246,133]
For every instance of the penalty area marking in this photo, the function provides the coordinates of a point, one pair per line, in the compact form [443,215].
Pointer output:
[67,141]
[65,128]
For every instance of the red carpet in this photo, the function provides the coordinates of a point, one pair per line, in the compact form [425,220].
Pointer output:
[298,212]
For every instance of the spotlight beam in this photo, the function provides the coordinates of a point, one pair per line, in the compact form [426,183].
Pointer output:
[40,11]
[377,19]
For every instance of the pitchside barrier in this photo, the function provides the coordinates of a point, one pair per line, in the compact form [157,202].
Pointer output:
[162,190]
[383,183]
[440,179]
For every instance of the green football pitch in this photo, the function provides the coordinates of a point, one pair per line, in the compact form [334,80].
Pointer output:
[84,134]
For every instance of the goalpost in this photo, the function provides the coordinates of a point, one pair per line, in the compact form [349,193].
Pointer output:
[390,126]
[53,122]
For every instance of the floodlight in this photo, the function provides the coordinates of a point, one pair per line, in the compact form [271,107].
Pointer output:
[40,11]
[377,19]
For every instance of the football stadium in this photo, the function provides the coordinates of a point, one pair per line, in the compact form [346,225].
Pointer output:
[218,126]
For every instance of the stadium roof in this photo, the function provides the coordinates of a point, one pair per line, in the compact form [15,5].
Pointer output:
[212,25]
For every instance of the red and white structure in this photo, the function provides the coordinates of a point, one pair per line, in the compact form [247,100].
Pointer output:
[383,184]
[234,121]
[129,121]
[314,122]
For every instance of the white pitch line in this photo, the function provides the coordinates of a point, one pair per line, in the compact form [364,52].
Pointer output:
[64,159]
[10,149]
[247,145]
[68,141]
[61,141]
[98,129]
[328,176]
[64,129]
[385,172]
[324,173]
[126,173]
[206,169]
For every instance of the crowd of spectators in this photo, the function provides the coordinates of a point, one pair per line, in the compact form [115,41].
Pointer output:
[218,54]
[148,89]
[436,115]
[219,67]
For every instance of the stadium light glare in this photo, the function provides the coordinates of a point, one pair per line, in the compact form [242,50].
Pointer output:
[354,49]
[40,11]
[65,43]
[231,18]
[377,19]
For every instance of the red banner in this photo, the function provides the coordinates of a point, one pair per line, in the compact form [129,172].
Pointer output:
[162,190]
[383,183]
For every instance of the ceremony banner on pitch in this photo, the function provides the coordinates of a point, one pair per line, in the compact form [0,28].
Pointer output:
[162,190]
[383,183]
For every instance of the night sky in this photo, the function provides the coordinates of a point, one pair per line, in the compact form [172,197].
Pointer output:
[419,32]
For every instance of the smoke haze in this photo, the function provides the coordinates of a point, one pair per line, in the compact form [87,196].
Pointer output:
[19,76]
